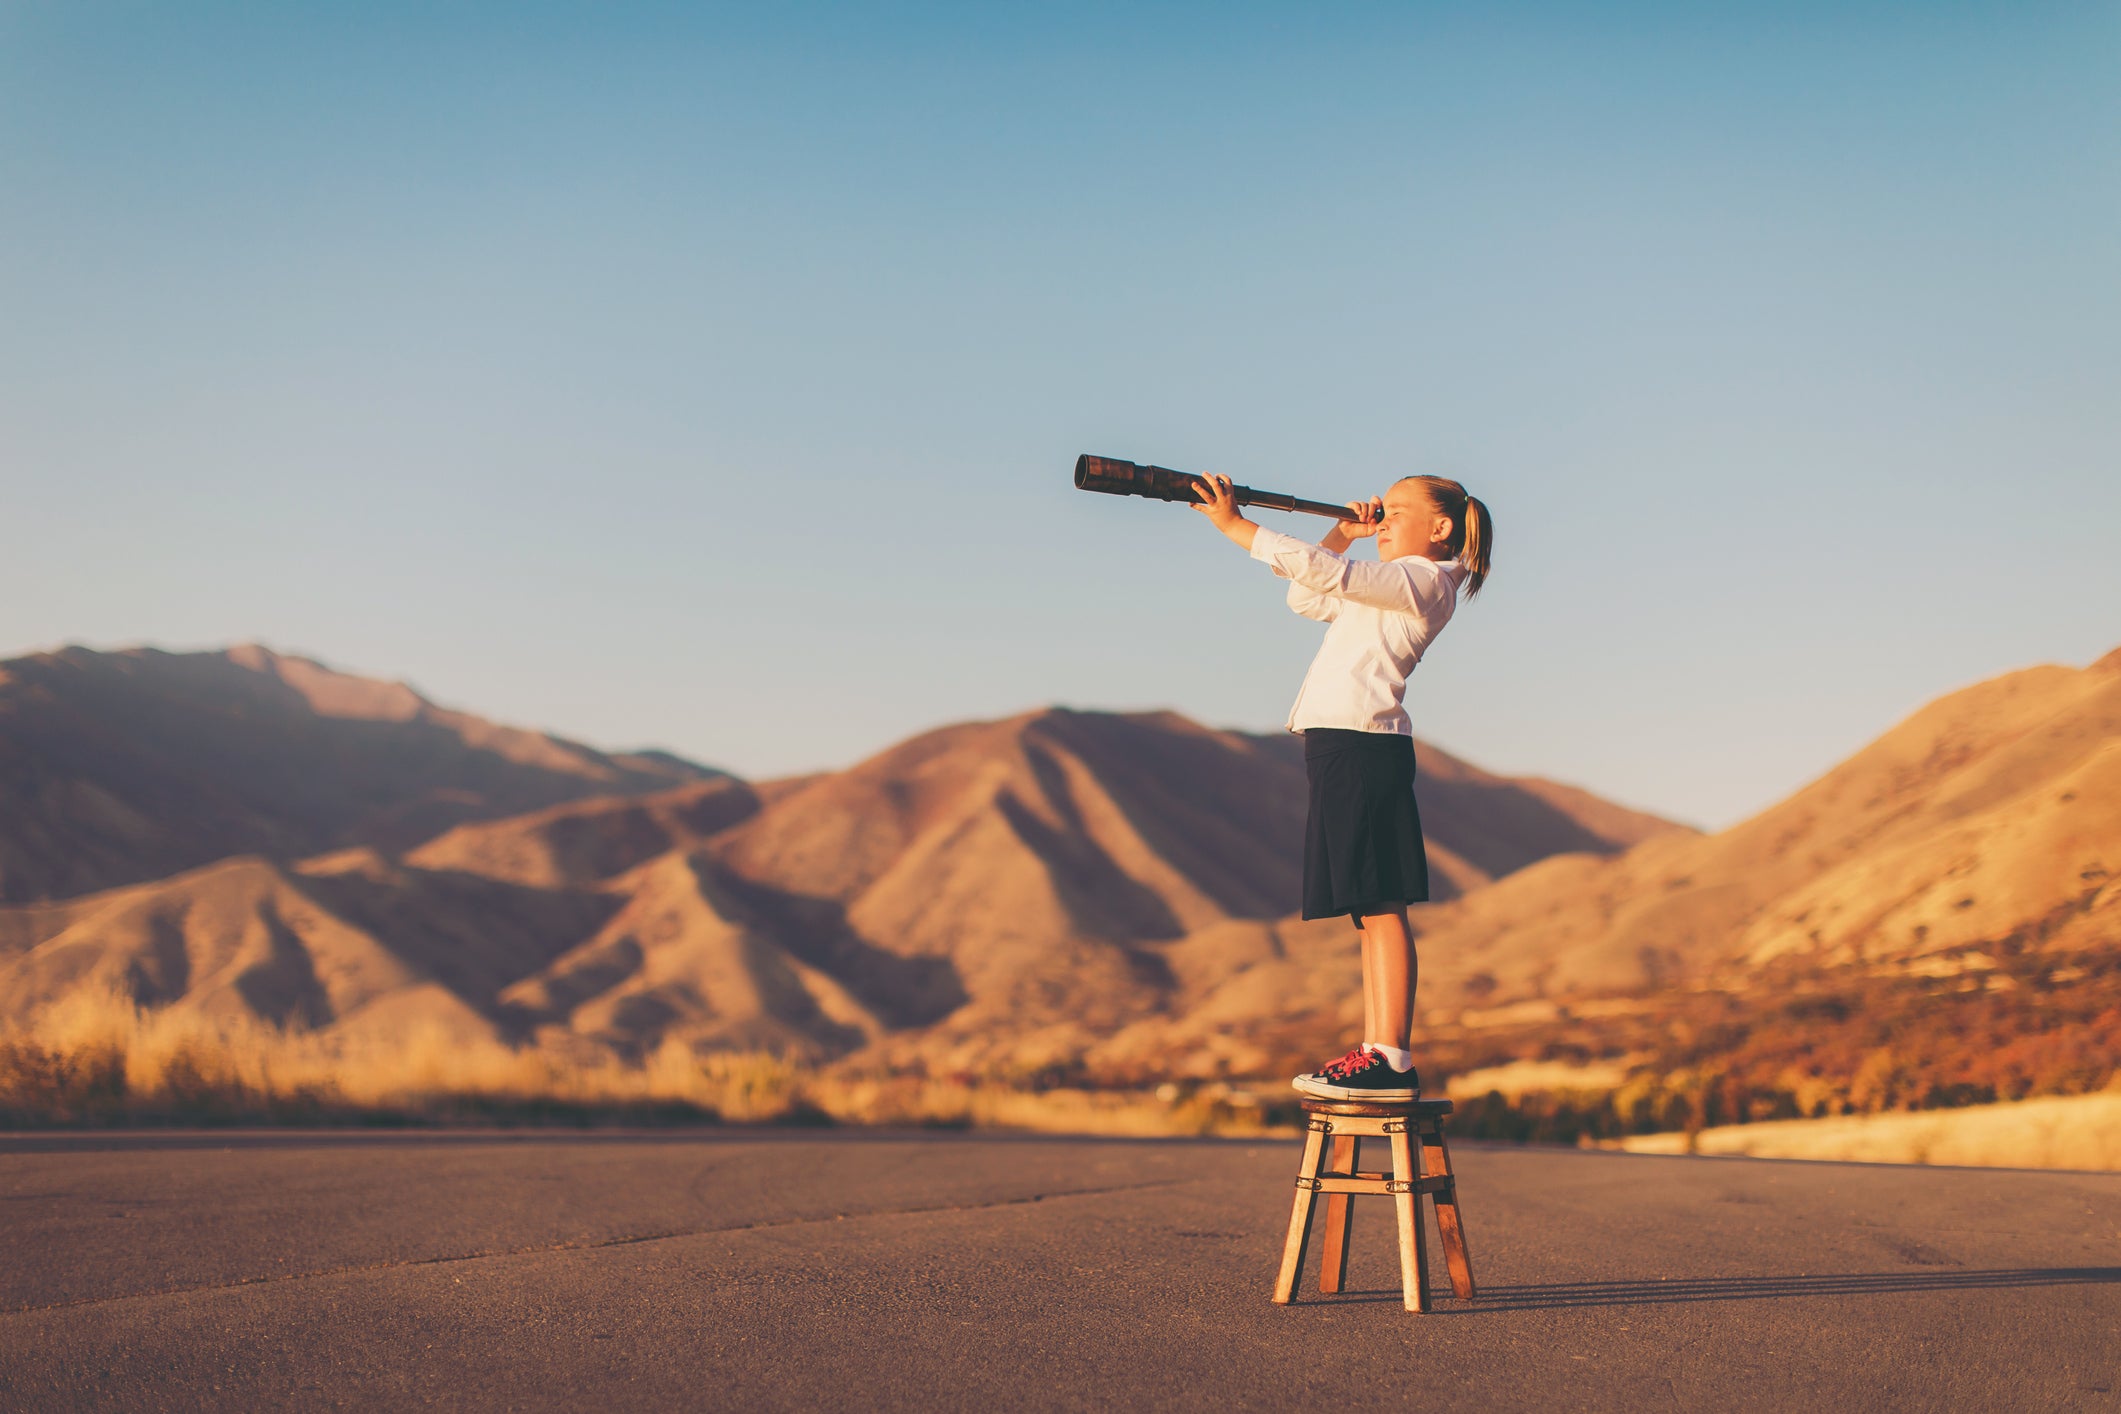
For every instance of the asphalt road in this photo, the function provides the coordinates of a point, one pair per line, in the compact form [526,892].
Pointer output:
[789,1269]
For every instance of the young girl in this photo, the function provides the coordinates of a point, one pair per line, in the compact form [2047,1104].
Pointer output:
[1363,854]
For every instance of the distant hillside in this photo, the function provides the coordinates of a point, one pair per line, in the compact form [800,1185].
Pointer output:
[1954,879]
[1054,859]
[990,894]
[1991,814]
[1065,894]
[125,766]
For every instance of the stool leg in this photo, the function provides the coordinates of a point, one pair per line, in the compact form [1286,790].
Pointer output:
[1292,1252]
[1413,1247]
[1436,1159]
[1340,1217]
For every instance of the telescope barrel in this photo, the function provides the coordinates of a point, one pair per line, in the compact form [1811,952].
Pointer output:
[1159,483]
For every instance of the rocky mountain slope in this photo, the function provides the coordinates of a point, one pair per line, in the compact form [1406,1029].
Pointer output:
[1987,823]
[126,766]
[1080,889]
[999,894]
[1993,813]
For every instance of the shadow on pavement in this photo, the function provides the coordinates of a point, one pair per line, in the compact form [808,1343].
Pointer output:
[1682,1289]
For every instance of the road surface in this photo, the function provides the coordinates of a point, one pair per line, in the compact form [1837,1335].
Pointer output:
[803,1269]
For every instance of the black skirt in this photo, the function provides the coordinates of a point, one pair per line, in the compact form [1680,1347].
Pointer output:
[1362,843]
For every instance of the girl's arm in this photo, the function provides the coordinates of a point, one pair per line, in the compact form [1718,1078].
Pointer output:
[1219,506]
[1410,586]
[1323,607]
[1338,537]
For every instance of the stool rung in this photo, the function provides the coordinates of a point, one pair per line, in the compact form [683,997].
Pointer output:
[1373,1183]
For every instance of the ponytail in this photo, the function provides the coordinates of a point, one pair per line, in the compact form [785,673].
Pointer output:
[1479,546]
[1472,539]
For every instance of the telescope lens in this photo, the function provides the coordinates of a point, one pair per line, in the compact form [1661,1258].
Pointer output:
[1107,474]
[1091,473]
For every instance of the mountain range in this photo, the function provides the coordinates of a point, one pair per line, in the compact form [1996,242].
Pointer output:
[318,849]
[1108,894]
[118,767]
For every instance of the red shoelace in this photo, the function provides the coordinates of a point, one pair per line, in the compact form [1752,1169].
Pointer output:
[1359,1059]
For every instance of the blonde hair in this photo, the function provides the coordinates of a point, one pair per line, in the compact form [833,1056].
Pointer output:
[1472,528]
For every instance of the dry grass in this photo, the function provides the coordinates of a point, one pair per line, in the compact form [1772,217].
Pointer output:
[1539,1076]
[103,1061]
[2064,1132]
[1211,1109]
[92,1061]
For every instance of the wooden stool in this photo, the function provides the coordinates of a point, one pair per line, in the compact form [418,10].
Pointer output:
[1347,1123]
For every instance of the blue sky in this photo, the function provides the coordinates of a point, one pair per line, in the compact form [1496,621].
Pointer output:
[710,379]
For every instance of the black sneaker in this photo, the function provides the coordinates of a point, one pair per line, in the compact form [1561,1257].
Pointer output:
[1361,1074]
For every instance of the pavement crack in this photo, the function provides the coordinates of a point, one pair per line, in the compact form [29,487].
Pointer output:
[586,1245]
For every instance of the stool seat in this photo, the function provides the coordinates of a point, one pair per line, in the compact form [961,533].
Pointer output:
[1381,1109]
[1346,1123]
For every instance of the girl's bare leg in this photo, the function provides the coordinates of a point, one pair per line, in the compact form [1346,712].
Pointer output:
[1370,1020]
[1390,971]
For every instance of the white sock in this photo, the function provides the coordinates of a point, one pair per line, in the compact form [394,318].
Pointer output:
[1394,1057]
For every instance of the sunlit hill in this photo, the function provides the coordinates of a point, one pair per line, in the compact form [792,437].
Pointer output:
[244,885]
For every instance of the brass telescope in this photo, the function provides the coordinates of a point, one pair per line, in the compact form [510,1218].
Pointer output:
[1159,483]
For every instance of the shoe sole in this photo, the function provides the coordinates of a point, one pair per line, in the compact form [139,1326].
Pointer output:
[1327,1090]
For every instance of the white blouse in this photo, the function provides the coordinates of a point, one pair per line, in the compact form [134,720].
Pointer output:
[1380,617]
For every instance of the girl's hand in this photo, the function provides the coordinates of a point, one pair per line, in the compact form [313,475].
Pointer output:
[1218,505]
[1372,512]
[1344,533]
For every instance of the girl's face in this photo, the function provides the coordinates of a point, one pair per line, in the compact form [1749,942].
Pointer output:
[1411,525]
